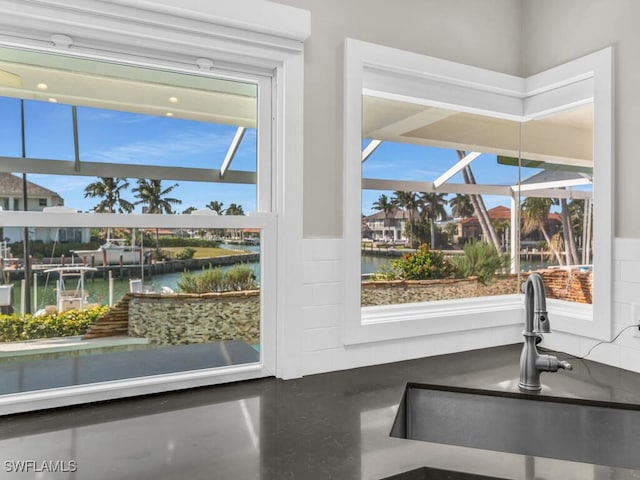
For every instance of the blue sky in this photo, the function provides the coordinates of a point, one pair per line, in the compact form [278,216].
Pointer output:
[414,162]
[117,137]
[127,138]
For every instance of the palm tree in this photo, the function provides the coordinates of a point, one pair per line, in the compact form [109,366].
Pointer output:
[151,194]
[501,226]
[408,202]
[535,212]
[576,216]
[451,229]
[432,209]
[216,206]
[109,190]
[385,205]
[479,207]
[461,206]
[234,209]
[187,211]
[580,218]
[571,252]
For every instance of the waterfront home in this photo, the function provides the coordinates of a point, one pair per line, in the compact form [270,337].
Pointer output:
[39,198]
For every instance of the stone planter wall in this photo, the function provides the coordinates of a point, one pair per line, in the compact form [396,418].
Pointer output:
[410,291]
[571,285]
[181,319]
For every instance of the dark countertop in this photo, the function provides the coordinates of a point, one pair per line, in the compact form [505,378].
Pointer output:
[327,426]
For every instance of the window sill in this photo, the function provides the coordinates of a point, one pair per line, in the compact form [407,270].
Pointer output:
[393,322]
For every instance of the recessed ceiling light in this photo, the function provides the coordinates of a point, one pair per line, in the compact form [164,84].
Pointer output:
[42,86]
[173,99]
[53,100]
[169,114]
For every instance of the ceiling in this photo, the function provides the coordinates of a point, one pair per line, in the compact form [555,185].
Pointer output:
[565,138]
[117,87]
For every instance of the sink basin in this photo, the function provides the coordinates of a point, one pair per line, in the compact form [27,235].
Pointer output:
[426,473]
[589,431]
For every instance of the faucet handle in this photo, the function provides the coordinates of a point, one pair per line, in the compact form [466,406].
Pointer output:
[550,363]
[542,322]
[565,365]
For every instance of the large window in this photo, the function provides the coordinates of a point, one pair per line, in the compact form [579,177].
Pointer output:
[142,254]
[481,181]
[443,227]
[456,164]
[148,94]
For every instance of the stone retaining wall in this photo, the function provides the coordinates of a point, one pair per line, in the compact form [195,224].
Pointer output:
[177,319]
[410,291]
[181,319]
[572,285]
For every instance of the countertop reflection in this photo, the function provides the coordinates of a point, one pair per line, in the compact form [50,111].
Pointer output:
[328,426]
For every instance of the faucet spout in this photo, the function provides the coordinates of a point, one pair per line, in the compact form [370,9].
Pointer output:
[532,363]
[536,319]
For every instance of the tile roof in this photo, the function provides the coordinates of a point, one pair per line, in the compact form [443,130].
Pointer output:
[12,185]
[501,212]
[397,214]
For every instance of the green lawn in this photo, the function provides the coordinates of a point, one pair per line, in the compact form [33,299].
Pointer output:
[203,252]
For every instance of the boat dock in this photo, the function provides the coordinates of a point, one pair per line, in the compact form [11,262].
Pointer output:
[15,270]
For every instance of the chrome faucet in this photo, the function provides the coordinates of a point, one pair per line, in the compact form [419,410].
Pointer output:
[532,363]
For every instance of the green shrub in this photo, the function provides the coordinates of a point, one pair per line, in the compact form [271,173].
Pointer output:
[238,277]
[187,242]
[46,250]
[423,264]
[159,255]
[386,273]
[186,253]
[481,260]
[187,283]
[10,328]
[72,322]
[209,280]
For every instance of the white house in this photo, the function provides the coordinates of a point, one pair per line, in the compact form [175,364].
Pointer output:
[39,198]
[387,227]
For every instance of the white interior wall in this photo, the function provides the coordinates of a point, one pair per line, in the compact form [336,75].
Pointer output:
[323,345]
[625,351]
[484,34]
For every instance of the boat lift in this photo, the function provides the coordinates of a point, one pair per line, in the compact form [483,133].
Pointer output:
[70,298]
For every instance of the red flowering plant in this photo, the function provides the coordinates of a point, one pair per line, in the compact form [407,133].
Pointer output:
[423,264]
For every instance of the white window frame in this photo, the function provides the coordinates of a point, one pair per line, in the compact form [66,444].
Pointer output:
[261,40]
[396,74]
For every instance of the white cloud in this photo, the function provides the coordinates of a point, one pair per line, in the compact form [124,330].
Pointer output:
[167,150]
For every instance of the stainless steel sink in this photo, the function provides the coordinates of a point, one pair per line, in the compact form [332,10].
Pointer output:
[596,432]
[427,473]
